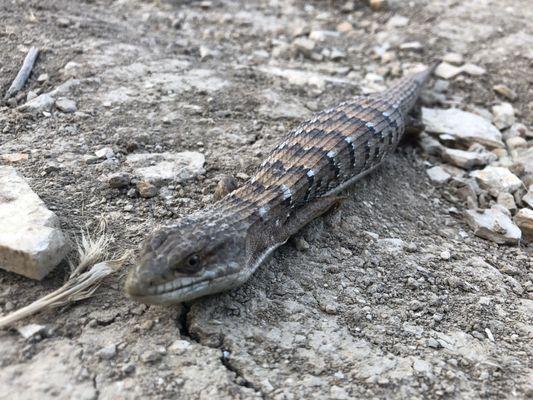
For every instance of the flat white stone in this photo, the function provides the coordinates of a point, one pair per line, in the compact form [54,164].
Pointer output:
[494,224]
[161,168]
[503,115]
[31,243]
[466,127]
[497,180]
[524,220]
[468,159]
[438,175]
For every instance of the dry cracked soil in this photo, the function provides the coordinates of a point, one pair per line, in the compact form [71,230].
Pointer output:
[390,296]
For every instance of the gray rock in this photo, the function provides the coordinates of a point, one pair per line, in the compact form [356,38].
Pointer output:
[30,330]
[66,105]
[146,189]
[179,347]
[391,245]
[430,145]
[447,71]
[43,102]
[161,168]
[494,224]
[524,220]
[468,159]
[507,200]
[398,21]
[453,58]
[466,127]
[472,69]
[105,153]
[528,198]
[496,180]
[503,115]
[438,175]
[304,45]
[505,91]
[118,180]
[107,352]
[31,242]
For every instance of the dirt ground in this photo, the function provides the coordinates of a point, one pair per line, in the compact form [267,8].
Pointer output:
[364,303]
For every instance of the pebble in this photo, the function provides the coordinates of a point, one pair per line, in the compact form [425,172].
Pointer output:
[447,71]
[445,255]
[438,175]
[226,184]
[30,330]
[163,168]
[14,157]
[304,46]
[412,46]
[468,159]
[179,347]
[507,200]
[524,220]
[118,180]
[453,58]
[391,245]
[107,352]
[104,153]
[43,78]
[344,27]
[43,102]
[517,129]
[494,224]
[31,241]
[528,198]
[472,69]
[503,115]
[66,105]
[146,189]
[497,180]
[397,21]
[63,22]
[465,127]
[150,357]
[516,142]
[505,91]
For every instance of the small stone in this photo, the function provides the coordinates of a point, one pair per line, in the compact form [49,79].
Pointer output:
[494,224]
[507,200]
[391,245]
[107,352]
[150,357]
[304,45]
[438,175]
[146,189]
[447,71]
[453,58]
[41,103]
[518,129]
[496,180]
[397,21]
[43,78]
[30,330]
[472,69]
[468,159]
[31,241]
[163,168]
[528,198]
[344,27]
[32,94]
[412,46]
[337,55]
[516,142]
[524,220]
[118,180]
[430,145]
[179,347]
[467,128]
[66,105]
[505,91]
[348,7]
[105,153]
[445,255]
[503,115]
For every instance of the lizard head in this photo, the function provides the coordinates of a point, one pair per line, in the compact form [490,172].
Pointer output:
[191,259]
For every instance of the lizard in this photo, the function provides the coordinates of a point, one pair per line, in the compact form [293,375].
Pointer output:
[219,247]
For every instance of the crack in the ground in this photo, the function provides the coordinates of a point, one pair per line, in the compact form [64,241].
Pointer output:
[239,378]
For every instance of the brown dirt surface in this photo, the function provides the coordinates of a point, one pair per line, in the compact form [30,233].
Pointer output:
[364,303]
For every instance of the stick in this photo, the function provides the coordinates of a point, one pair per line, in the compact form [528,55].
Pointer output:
[23,74]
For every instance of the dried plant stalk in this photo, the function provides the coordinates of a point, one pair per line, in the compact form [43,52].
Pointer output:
[85,278]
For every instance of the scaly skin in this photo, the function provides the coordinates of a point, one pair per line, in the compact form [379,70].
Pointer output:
[219,247]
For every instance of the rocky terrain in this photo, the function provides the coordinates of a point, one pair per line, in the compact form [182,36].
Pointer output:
[418,286]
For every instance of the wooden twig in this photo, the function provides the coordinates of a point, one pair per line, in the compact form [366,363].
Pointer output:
[24,73]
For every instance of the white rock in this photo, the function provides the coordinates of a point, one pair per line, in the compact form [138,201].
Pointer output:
[497,180]
[525,157]
[468,159]
[524,220]
[321,35]
[507,200]
[391,245]
[179,346]
[31,243]
[161,168]
[453,58]
[468,128]
[66,105]
[472,69]
[397,21]
[528,198]
[438,175]
[27,331]
[494,224]
[447,71]
[503,115]
[43,102]
[516,142]
[304,45]
[105,152]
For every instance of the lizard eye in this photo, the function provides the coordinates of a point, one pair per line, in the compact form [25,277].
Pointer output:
[193,260]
